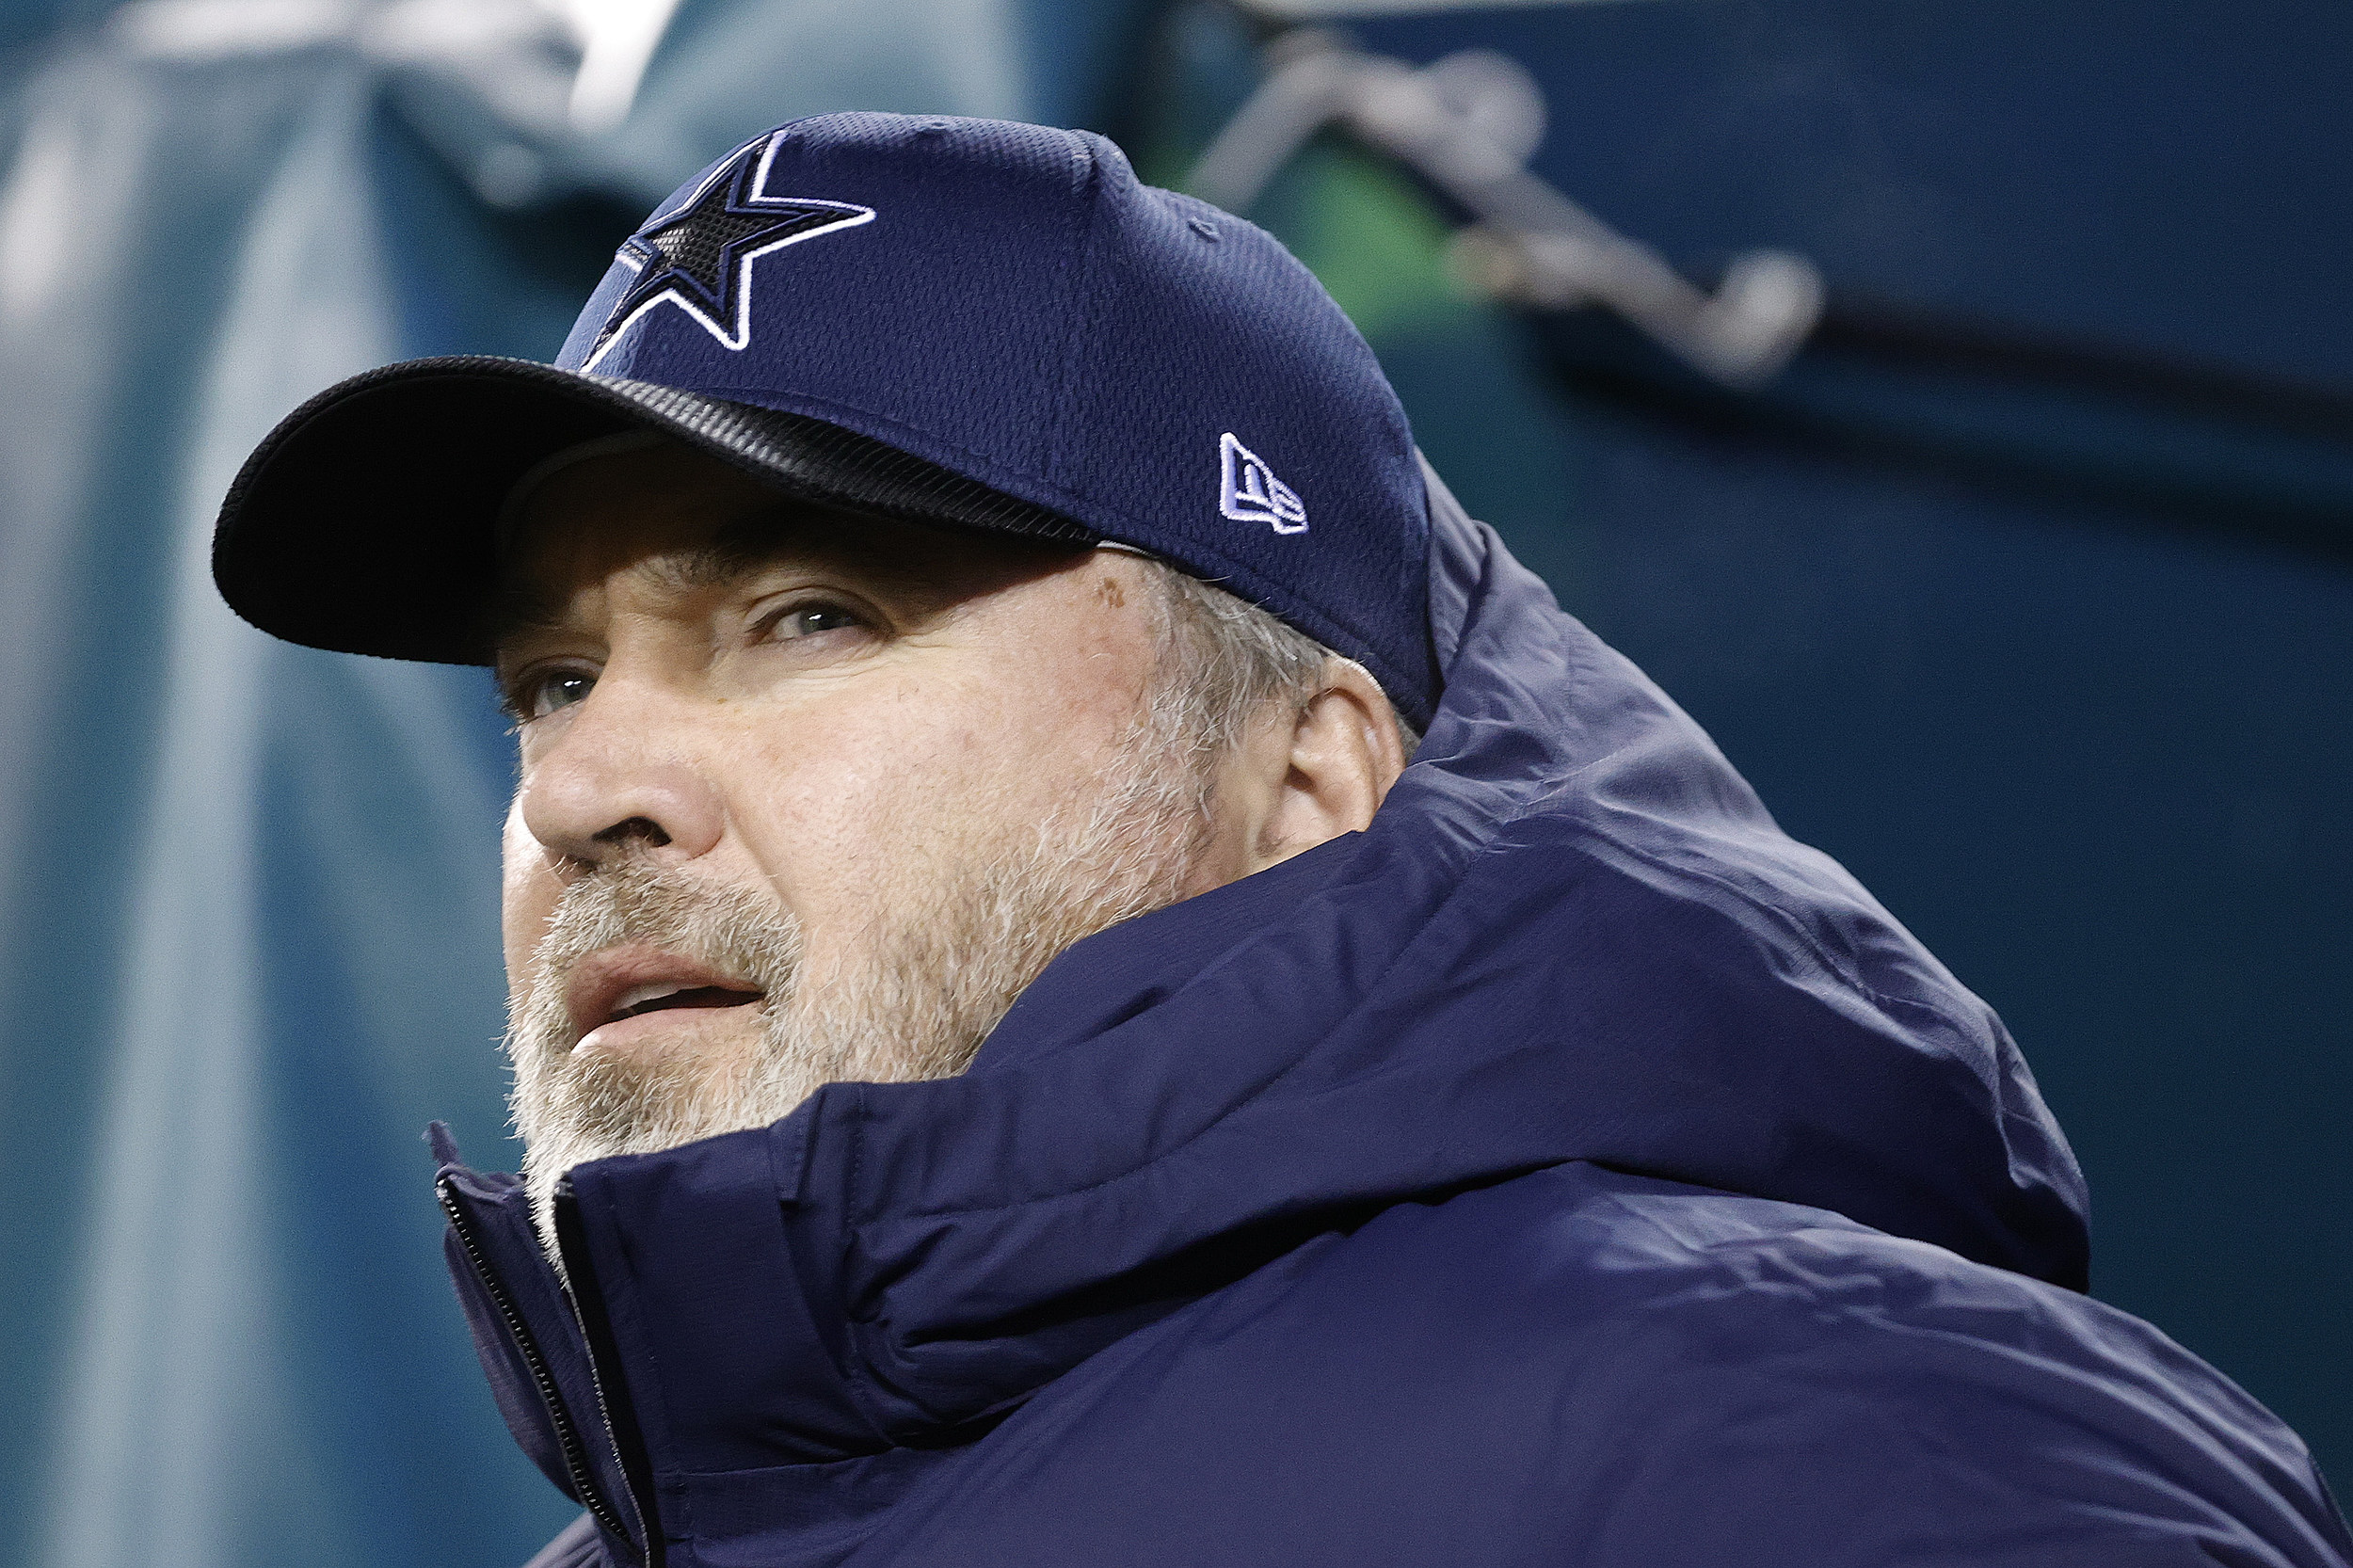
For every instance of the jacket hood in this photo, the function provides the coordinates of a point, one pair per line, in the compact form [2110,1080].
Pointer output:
[1572,932]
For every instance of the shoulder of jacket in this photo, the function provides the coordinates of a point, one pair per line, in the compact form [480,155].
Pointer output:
[1652,1301]
[1661,1373]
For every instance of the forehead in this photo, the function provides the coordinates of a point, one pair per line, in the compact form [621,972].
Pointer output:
[681,522]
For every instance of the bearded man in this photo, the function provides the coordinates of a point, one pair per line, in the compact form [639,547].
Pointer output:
[1016,1066]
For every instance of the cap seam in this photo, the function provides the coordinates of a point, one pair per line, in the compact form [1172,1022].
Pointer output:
[1082,315]
[824,409]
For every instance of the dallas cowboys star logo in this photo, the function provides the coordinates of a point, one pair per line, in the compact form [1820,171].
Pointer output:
[700,257]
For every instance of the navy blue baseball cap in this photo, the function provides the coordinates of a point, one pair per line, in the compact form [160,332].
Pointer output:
[952,321]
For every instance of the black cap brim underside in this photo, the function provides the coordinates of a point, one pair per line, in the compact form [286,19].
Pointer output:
[367,521]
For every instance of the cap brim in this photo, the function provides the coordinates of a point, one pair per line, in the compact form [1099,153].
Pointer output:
[367,521]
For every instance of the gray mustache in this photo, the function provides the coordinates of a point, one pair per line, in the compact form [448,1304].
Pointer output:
[737,930]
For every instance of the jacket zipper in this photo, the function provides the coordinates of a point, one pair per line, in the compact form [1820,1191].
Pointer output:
[596,1332]
[568,1437]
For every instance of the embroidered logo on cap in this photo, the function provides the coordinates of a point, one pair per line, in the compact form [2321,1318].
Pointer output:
[699,258]
[1247,490]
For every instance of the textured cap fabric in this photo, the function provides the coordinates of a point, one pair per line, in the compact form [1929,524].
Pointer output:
[965,321]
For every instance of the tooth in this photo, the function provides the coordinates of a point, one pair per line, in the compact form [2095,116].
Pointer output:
[637,996]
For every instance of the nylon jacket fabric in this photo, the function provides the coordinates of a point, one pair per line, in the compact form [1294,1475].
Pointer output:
[1568,1169]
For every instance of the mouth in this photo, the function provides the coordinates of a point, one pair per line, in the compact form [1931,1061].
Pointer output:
[662,997]
[622,985]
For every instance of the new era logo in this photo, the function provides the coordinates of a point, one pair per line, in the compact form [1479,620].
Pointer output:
[1247,490]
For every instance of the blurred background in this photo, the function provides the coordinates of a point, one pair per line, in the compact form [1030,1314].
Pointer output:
[1951,403]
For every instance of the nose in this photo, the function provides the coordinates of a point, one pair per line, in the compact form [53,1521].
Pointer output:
[621,778]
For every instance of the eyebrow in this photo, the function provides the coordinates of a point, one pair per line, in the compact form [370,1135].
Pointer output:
[737,550]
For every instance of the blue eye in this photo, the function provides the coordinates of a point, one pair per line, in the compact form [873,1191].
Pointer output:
[807,620]
[542,695]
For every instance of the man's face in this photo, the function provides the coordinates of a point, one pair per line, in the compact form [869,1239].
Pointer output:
[805,798]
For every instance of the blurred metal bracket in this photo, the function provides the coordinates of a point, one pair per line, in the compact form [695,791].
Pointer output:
[534,74]
[1468,124]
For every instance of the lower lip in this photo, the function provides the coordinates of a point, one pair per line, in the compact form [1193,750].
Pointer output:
[669,1025]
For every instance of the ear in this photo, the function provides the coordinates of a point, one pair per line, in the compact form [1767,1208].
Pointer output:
[1328,774]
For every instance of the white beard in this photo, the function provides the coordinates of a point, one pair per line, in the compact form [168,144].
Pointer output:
[914,995]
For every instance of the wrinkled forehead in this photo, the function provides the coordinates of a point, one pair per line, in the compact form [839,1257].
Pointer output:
[680,522]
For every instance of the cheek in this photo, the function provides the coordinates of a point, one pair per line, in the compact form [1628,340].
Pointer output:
[1065,690]
[877,797]
[1022,734]
[849,804]
[528,890]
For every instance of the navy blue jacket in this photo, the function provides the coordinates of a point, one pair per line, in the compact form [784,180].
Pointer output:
[1570,1169]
